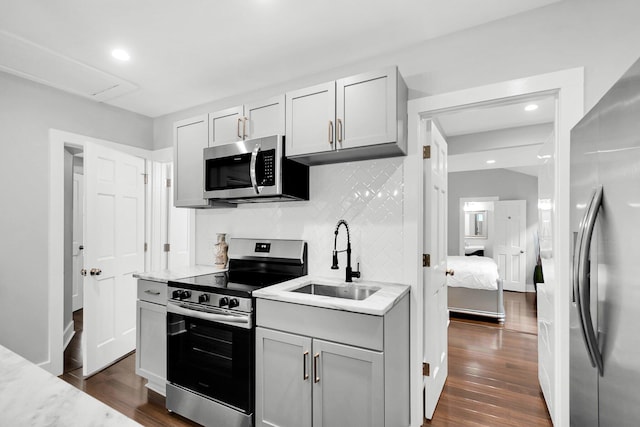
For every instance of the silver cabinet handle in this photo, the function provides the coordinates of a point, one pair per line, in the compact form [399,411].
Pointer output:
[582,282]
[244,127]
[150,292]
[330,132]
[305,374]
[339,130]
[252,168]
[316,377]
[238,128]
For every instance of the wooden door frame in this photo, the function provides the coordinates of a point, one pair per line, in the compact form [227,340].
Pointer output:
[568,87]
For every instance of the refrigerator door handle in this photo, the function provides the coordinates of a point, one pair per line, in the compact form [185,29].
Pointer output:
[582,282]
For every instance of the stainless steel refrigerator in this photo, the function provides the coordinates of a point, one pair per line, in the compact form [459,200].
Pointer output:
[605,224]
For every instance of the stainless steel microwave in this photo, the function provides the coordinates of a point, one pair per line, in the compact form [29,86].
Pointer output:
[254,170]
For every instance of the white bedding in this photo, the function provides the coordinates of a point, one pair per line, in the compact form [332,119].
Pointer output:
[477,272]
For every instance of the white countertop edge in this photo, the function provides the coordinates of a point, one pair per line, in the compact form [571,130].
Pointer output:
[177,273]
[377,304]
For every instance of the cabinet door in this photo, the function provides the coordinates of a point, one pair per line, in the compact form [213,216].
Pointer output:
[283,379]
[190,139]
[226,126]
[348,387]
[151,344]
[264,118]
[366,109]
[310,120]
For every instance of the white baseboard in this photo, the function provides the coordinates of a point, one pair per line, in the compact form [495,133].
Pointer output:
[69,332]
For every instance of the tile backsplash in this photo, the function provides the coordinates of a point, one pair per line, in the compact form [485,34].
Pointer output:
[369,195]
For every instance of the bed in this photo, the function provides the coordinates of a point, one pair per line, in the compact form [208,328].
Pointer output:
[475,287]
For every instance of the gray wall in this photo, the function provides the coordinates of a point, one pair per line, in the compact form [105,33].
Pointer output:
[27,112]
[505,184]
[593,34]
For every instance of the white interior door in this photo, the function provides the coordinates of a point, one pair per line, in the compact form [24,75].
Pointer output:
[510,243]
[436,314]
[77,246]
[114,249]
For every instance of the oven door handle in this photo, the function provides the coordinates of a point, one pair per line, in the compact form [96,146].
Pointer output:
[232,319]
[252,168]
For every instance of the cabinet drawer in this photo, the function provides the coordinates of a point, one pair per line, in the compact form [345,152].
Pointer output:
[155,292]
[360,330]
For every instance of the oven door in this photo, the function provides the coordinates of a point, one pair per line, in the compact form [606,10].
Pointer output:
[212,354]
[243,169]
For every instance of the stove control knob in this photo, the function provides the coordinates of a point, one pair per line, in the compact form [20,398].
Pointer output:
[233,302]
[176,294]
[223,301]
[185,294]
[203,298]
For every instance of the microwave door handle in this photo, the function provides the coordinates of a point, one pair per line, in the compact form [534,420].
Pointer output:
[252,168]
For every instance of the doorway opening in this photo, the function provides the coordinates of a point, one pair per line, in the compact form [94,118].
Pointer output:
[104,161]
[74,203]
[566,87]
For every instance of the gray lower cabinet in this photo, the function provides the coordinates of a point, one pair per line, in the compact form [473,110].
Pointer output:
[151,334]
[309,374]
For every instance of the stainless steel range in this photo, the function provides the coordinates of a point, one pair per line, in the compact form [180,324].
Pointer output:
[211,334]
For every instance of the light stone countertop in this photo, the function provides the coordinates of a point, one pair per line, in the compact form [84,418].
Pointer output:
[377,304]
[178,273]
[31,396]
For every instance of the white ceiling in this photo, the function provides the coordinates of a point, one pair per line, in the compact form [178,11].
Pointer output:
[519,153]
[501,116]
[189,52]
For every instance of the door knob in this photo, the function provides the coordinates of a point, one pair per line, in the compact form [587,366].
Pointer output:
[521,252]
[95,272]
[83,272]
[449,272]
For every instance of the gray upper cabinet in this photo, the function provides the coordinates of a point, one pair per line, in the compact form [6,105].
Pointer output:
[310,120]
[264,118]
[225,126]
[190,138]
[255,120]
[355,118]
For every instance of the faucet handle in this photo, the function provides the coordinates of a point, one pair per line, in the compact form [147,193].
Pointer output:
[356,273]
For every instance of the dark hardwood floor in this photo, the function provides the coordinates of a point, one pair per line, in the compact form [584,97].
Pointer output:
[492,375]
[493,370]
[118,386]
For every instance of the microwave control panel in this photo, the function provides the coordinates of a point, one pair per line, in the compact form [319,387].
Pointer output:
[266,174]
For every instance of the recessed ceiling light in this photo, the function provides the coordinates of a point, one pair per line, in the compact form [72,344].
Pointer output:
[120,54]
[490,162]
[531,107]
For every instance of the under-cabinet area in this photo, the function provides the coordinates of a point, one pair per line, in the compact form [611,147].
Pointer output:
[318,366]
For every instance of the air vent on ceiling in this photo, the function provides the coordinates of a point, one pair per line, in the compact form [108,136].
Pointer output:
[34,62]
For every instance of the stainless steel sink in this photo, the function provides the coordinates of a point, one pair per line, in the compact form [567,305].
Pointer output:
[353,292]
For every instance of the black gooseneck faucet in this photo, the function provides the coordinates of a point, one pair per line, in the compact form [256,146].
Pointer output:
[349,272]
